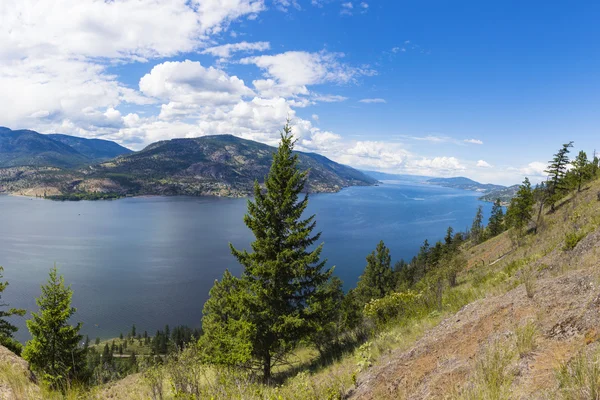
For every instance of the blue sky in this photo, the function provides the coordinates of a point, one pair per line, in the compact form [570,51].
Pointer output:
[487,90]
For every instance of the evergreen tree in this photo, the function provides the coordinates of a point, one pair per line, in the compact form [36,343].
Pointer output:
[328,324]
[520,210]
[496,221]
[54,350]
[97,341]
[582,169]
[377,279]
[281,275]
[227,338]
[556,169]
[477,226]
[6,328]
[448,238]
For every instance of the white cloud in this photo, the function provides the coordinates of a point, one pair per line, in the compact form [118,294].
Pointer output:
[187,86]
[328,98]
[348,5]
[289,74]
[54,55]
[473,141]
[125,29]
[315,117]
[534,169]
[371,101]
[284,5]
[364,5]
[483,164]
[225,51]
[298,68]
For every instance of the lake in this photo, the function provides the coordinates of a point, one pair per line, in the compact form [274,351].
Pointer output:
[151,261]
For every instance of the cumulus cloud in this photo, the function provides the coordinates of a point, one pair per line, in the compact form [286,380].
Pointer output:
[372,101]
[55,67]
[483,164]
[473,141]
[226,51]
[292,71]
[534,169]
[191,83]
[126,29]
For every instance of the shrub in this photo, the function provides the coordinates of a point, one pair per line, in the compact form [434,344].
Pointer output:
[395,305]
[528,277]
[571,240]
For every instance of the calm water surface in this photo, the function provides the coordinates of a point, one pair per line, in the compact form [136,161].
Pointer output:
[151,261]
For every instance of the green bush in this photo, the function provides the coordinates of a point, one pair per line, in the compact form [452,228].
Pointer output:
[571,240]
[403,305]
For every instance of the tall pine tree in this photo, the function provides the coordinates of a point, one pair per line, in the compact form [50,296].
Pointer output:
[378,278]
[283,274]
[582,169]
[54,350]
[557,169]
[520,210]
[496,221]
[477,226]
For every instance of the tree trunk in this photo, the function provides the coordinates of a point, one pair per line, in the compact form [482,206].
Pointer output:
[267,367]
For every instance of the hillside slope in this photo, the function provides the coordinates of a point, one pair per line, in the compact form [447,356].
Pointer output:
[94,149]
[222,165]
[464,183]
[562,318]
[29,148]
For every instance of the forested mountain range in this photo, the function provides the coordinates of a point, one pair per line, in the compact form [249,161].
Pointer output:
[69,167]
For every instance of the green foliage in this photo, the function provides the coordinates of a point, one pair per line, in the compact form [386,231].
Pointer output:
[393,306]
[520,210]
[6,328]
[84,196]
[269,308]
[477,226]
[496,221]
[557,168]
[572,238]
[377,279]
[54,350]
[582,169]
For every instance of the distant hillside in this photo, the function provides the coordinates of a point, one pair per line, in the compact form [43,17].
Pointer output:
[465,184]
[222,165]
[19,148]
[29,148]
[383,176]
[505,195]
[93,149]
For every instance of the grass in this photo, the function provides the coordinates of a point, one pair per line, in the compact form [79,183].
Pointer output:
[526,338]
[579,379]
[132,346]
[493,374]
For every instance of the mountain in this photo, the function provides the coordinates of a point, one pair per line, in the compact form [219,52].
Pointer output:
[383,176]
[29,148]
[93,149]
[505,195]
[223,165]
[464,183]
[19,148]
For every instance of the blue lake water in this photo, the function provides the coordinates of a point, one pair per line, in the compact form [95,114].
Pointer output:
[151,261]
